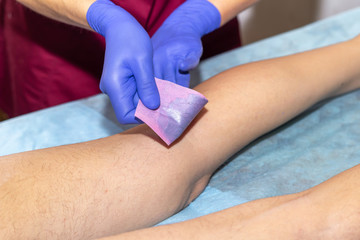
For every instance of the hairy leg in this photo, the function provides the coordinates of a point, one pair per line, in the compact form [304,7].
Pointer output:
[131,180]
[327,211]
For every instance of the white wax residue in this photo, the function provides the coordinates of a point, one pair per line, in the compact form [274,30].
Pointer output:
[173,113]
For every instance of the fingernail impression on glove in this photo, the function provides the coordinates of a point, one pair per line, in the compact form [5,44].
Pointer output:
[178,107]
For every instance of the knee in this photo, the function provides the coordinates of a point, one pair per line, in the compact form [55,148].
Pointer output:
[197,188]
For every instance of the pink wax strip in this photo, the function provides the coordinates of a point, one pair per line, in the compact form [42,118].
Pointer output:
[178,107]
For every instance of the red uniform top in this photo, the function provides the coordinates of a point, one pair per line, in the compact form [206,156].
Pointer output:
[45,63]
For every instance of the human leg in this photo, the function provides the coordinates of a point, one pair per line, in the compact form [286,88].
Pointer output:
[131,180]
[327,211]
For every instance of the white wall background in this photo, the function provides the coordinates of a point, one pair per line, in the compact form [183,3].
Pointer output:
[270,17]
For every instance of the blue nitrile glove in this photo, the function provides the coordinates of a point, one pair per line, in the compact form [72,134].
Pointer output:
[128,67]
[177,43]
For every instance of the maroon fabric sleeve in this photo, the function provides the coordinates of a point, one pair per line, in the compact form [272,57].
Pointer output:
[223,39]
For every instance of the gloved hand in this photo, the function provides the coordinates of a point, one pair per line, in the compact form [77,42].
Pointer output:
[177,43]
[128,67]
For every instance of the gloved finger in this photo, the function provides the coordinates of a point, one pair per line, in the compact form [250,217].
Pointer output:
[184,66]
[145,83]
[190,62]
[136,99]
[183,78]
[122,102]
[136,102]
[163,68]
[124,109]
[169,71]
[158,71]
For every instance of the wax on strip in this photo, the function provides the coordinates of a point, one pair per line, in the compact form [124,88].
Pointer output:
[178,107]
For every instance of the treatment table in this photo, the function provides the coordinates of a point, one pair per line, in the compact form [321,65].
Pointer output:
[313,147]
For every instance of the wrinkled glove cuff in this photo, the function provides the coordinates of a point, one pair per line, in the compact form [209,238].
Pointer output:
[101,13]
[202,15]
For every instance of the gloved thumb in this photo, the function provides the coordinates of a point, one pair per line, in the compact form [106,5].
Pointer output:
[190,62]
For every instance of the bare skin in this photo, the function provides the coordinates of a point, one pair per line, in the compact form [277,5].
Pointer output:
[66,11]
[74,12]
[230,8]
[132,180]
[327,211]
